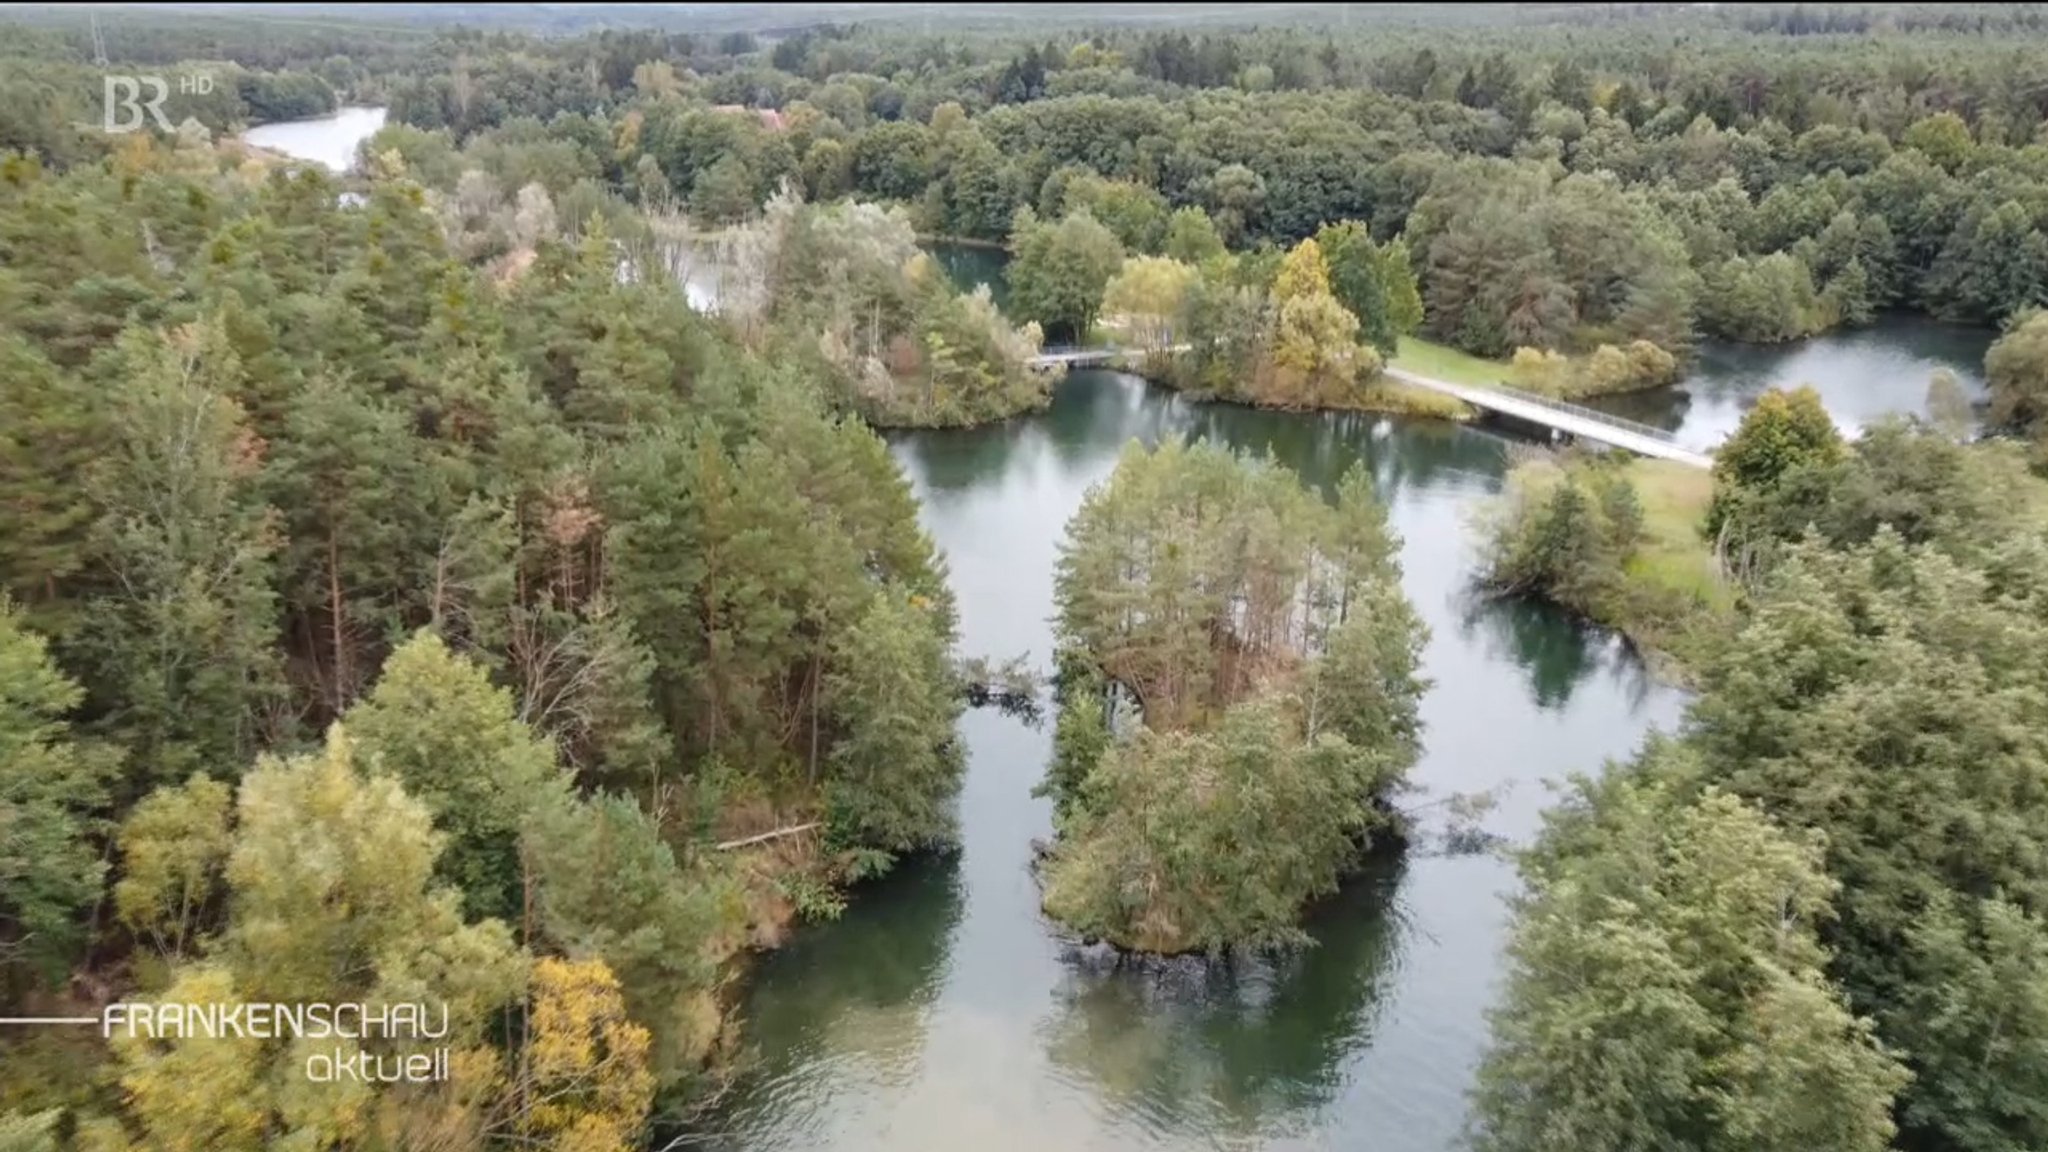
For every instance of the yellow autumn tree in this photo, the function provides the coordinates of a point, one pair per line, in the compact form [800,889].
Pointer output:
[158,1078]
[586,1083]
[1303,272]
[172,848]
[1146,296]
[1313,358]
[331,899]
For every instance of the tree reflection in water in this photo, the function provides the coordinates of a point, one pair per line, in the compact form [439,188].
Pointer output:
[1555,651]
[1242,1046]
[855,990]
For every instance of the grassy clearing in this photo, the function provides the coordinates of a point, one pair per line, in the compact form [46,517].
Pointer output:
[1446,363]
[1673,597]
[1668,596]
[1675,498]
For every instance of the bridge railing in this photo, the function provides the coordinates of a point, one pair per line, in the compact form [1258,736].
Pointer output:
[1102,351]
[1070,352]
[1585,413]
[1564,406]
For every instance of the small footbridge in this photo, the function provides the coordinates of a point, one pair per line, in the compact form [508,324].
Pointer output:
[1091,357]
[1574,420]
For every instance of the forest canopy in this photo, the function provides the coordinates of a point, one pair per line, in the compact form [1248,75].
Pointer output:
[408,591]
[377,625]
[1864,750]
[1559,187]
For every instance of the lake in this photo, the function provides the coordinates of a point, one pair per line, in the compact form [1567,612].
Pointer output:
[1861,375]
[943,1011]
[330,140]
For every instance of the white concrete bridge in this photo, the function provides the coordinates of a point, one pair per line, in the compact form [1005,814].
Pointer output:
[1573,420]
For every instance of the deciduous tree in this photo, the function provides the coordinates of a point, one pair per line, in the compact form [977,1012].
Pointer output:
[584,1082]
[182,642]
[51,793]
[2016,369]
[1668,987]
[1059,271]
[173,847]
[1784,432]
[453,739]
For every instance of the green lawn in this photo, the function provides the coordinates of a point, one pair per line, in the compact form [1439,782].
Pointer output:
[1445,363]
[1675,498]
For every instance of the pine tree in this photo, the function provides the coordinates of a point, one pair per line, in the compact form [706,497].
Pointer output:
[47,440]
[896,764]
[1262,640]
[347,476]
[182,640]
[604,884]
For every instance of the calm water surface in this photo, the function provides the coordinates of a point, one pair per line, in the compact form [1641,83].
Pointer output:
[942,1012]
[329,140]
[972,265]
[1860,375]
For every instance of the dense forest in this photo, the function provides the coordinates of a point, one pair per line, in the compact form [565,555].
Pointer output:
[1813,917]
[1587,186]
[1558,191]
[405,593]
[1556,184]
[378,625]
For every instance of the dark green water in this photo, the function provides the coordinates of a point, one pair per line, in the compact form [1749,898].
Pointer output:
[942,1012]
[972,265]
